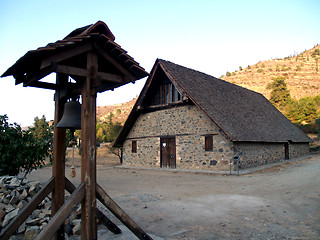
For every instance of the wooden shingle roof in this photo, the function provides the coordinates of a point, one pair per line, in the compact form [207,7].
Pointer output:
[69,56]
[243,115]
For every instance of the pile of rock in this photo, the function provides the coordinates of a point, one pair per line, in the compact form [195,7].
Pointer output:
[15,193]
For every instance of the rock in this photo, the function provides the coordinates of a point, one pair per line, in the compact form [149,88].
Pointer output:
[13,237]
[2,213]
[32,191]
[35,184]
[22,228]
[15,182]
[21,204]
[45,213]
[46,219]
[31,232]
[14,200]
[10,216]
[43,225]
[14,193]
[6,199]
[36,213]
[9,208]
[78,211]
[77,229]
[33,222]
[2,206]
[24,194]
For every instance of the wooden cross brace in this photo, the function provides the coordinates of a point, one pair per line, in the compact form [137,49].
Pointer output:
[77,195]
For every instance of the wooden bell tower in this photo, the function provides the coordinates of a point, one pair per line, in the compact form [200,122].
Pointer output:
[96,63]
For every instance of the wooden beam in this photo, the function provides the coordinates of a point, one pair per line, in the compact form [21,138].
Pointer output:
[32,78]
[85,73]
[110,77]
[44,85]
[107,201]
[105,220]
[58,163]
[88,155]
[129,77]
[65,55]
[72,70]
[27,210]
[66,209]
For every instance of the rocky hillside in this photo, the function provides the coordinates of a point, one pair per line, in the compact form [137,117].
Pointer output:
[302,73]
[120,111]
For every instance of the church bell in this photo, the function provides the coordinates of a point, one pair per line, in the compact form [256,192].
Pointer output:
[71,117]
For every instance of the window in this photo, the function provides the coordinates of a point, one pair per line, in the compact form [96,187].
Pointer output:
[166,93]
[208,143]
[134,146]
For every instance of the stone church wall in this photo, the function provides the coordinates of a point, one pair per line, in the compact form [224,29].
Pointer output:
[189,125]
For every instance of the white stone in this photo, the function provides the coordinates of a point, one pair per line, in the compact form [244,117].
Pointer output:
[10,216]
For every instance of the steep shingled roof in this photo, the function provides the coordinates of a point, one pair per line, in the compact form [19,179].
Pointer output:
[243,115]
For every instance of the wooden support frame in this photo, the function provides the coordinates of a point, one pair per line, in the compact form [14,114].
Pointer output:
[88,191]
[66,54]
[88,156]
[58,164]
[86,73]
[106,221]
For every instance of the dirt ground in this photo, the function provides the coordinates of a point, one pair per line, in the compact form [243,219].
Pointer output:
[281,202]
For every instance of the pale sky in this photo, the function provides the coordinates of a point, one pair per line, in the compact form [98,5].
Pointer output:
[212,36]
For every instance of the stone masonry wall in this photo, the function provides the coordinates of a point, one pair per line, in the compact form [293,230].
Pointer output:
[298,149]
[189,125]
[255,154]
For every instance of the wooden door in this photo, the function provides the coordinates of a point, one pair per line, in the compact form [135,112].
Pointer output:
[168,152]
[286,151]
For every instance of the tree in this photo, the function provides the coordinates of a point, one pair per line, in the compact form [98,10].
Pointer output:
[19,150]
[107,131]
[43,133]
[280,95]
[303,111]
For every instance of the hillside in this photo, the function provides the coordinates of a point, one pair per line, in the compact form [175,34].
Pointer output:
[120,111]
[301,71]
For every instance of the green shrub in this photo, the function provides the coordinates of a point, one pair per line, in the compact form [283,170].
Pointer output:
[19,150]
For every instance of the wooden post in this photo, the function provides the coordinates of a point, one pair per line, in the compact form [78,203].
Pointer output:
[58,163]
[88,156]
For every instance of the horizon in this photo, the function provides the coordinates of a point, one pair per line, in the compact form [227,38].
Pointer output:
[209,36]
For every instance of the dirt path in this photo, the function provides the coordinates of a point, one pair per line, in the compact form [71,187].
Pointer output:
[278,203]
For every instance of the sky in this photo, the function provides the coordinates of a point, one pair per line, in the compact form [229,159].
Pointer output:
[211,36]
